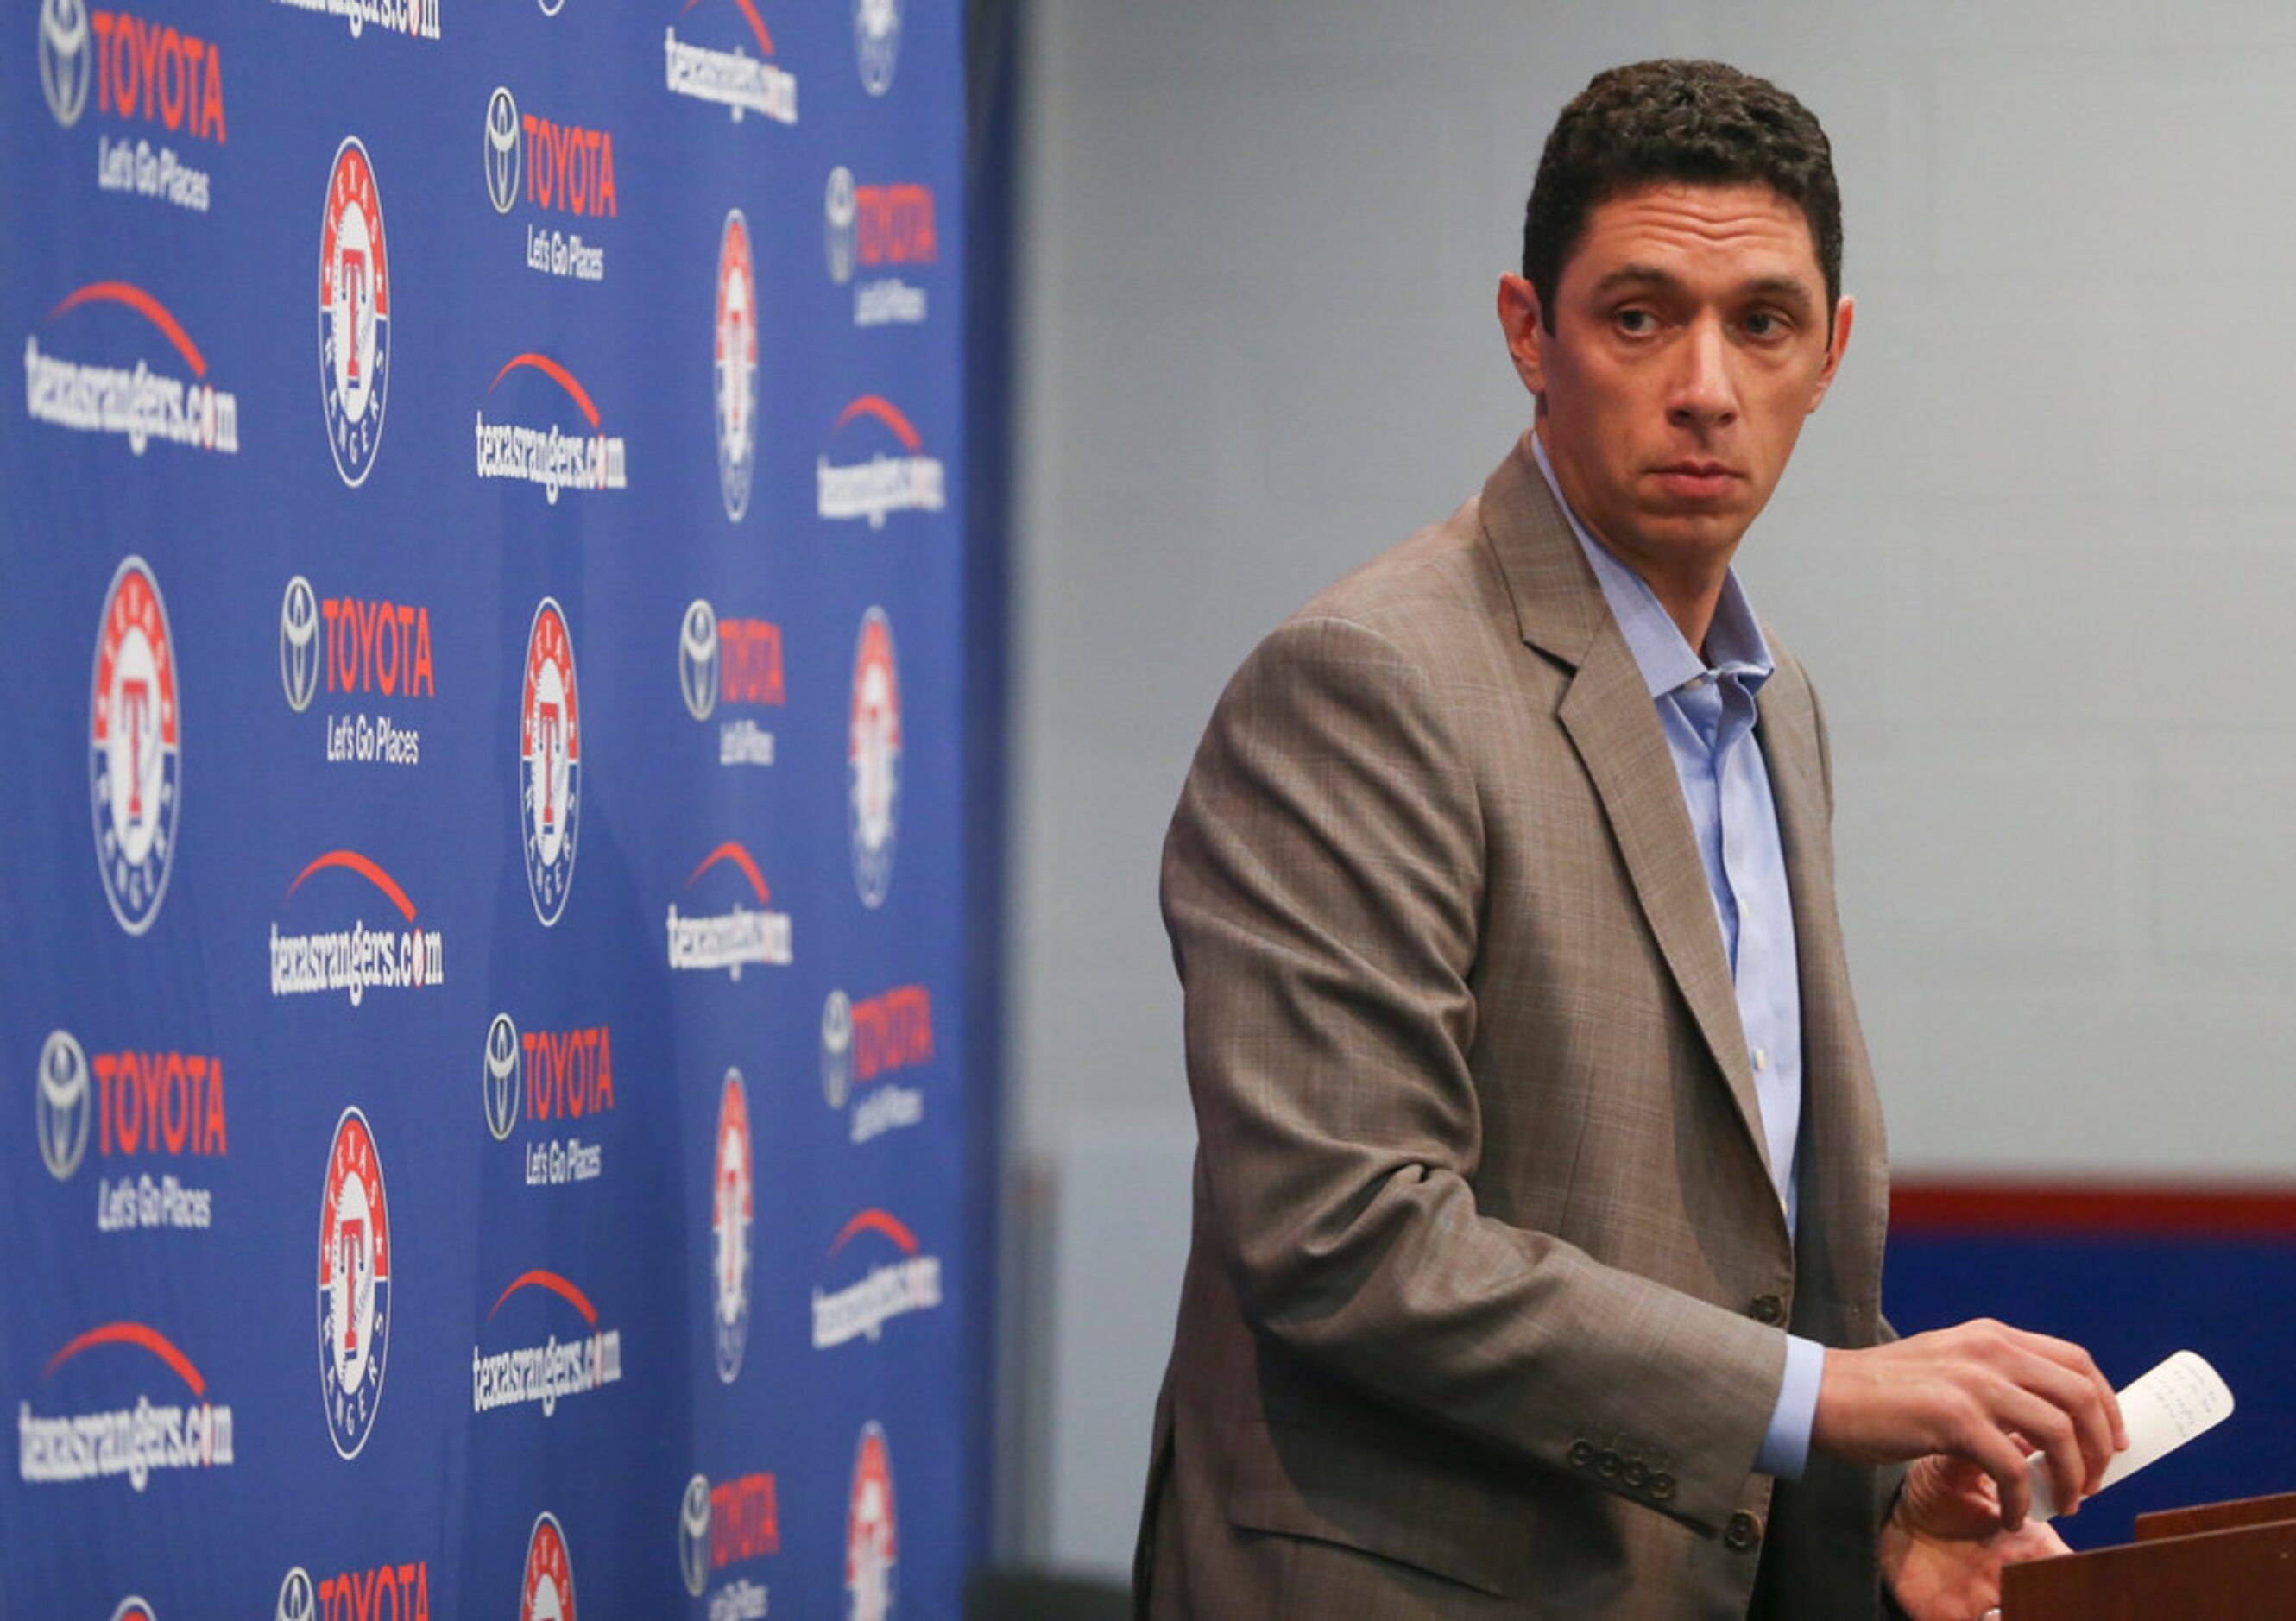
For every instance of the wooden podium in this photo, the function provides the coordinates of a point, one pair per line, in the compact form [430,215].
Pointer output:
[2221,1561]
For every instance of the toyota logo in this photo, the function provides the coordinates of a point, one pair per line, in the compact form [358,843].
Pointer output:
[299,643]
[697,658]
[504,1079]
[503,149]
[64,58]
[63,1107]
[837,214]
[693,1534]
[297,1601]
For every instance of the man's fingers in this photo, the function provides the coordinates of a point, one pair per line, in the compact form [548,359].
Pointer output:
[1991,1452]
[2101,1437]
[2044,1394]
[2074,1360]
[2063,1351]
[2052,1429]
[2089,1425]
[2071,1356]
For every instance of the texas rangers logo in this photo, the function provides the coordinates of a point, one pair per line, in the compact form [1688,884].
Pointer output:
[697,657]
[133,1608]
[693,1534]
[872,1550]
[299,643]
[504,154]
[547,1592]
[354,313]
[875,752]
[550,762]
[840,207]
[354,1284]
[877,42]
[504,1077]
[732,1207]
[65,58]
[63,1104]
[134,762]
[736,365]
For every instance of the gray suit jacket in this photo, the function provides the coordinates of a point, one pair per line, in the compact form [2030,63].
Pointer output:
[1484,1312]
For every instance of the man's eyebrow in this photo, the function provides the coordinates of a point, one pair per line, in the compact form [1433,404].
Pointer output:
[1785,289]
[1637,275]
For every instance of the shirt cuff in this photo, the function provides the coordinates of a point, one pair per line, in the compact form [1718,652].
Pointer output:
[1785,1447]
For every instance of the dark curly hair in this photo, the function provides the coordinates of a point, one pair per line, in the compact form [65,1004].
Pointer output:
[1704,122]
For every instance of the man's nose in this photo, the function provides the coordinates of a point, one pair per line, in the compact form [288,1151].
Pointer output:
[1705,394]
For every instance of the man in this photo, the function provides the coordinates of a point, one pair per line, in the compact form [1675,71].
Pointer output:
[1541,1193]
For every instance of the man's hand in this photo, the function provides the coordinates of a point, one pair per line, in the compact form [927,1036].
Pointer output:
[1983,1393]
[1942,1552]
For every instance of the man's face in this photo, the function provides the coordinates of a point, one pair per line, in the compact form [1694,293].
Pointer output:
[1690,342]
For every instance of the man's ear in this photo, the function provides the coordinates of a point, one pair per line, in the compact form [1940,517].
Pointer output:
[1526,334]
[1843,312]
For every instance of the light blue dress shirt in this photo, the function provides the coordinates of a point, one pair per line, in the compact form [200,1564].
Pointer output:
[1707,710]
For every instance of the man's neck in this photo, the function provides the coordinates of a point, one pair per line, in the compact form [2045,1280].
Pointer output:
[1688,596]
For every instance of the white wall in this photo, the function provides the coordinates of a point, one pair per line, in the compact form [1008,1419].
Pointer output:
[2035,549]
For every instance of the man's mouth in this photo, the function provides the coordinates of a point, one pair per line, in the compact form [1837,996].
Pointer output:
[1696,477]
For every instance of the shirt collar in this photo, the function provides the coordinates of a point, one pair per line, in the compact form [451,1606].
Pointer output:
[1666,659]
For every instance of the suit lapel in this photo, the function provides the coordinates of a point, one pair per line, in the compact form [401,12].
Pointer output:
[1843,1185]
[1790,749]
[1613,724]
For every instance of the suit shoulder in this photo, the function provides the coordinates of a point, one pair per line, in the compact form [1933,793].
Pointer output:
[1433,592]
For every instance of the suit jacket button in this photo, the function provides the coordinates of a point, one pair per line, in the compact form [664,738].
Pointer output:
[1661,1485]
[1768,1309]
[1608,1464]
[1581,1453]
[1636,1474]
[1743,1531]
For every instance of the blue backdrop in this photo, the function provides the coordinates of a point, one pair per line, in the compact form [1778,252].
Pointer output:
[493,898]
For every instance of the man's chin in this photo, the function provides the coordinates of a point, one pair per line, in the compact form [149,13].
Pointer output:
[1692,530]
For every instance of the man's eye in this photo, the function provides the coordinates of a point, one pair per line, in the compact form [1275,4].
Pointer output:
[1636,321]
[1765,324]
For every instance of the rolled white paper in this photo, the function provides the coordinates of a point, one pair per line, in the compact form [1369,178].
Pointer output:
[2164,1410]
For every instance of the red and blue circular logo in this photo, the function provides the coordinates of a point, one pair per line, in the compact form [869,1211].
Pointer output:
[550,762]
[354,1284]
[546,1593]
[736,365]
[354,313]
[875,753]
[732,1208]
[136,768]
[877,42]
[872,1541]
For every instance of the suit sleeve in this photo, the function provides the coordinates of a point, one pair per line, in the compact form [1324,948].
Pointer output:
[1323,885]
